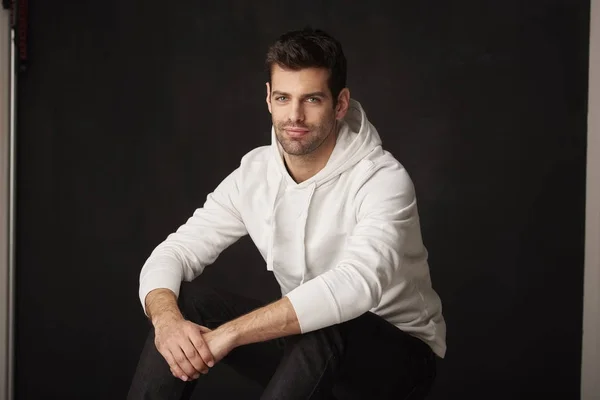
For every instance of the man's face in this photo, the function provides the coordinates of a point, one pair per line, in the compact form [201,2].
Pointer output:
[302,109]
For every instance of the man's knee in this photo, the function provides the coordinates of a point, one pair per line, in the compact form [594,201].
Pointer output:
[326,341]
[197,302]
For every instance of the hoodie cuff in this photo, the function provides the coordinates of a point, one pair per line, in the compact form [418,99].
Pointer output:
[159,279]
[314,305]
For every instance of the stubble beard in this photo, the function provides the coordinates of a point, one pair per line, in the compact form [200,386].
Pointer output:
[306,144]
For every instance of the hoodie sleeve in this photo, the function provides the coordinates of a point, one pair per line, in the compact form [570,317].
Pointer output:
[386,209]
[184,254]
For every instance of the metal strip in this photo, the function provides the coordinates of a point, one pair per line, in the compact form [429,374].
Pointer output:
[11,221]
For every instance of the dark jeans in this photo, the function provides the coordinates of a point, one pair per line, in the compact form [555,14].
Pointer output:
[364,358]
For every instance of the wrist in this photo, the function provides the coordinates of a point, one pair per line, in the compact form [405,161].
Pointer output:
[165,318]
[161,306]
[230,333]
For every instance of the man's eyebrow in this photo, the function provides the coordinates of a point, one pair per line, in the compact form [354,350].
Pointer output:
[315,94]
[312,94]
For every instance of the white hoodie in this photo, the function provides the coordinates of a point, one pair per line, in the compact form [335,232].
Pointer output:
[341,243]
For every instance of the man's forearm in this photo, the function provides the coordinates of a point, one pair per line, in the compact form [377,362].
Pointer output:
[162,304]
[270,322]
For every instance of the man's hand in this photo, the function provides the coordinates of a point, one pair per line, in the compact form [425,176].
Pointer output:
[179,341]
[182,345]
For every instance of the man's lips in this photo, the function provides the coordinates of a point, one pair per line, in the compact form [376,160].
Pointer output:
[296,132]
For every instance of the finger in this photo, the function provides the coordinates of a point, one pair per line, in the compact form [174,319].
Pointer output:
[194,358]
[175,370]
[183,363]
[203,349]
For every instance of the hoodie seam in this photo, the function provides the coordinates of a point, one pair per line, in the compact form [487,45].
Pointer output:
[235,212]
[365,178]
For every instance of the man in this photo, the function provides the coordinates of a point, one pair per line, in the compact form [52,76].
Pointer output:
[335,218]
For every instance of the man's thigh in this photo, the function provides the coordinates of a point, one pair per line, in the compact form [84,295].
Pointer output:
[382,362]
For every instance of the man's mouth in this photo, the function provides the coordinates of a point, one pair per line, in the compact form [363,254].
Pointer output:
[296,132]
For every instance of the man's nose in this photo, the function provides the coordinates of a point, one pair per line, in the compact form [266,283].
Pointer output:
[296,112]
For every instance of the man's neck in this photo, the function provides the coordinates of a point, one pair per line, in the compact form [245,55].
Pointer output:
[302,168]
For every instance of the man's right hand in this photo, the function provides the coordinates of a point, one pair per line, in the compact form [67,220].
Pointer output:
[181,344]
[179,341]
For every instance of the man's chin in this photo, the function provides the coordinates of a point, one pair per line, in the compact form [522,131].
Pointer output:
[295,149]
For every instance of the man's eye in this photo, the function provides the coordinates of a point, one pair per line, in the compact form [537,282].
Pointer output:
[313,99]
[281,98]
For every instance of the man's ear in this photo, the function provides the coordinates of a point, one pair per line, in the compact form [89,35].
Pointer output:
[343,103]
[269,97]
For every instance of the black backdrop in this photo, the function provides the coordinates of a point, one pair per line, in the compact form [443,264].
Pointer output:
[130,112]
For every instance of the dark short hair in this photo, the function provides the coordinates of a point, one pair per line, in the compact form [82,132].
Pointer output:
[308,48]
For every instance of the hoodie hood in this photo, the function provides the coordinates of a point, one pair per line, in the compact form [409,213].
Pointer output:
[356,138]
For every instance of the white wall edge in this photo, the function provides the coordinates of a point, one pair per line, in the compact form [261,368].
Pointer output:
[590,363]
